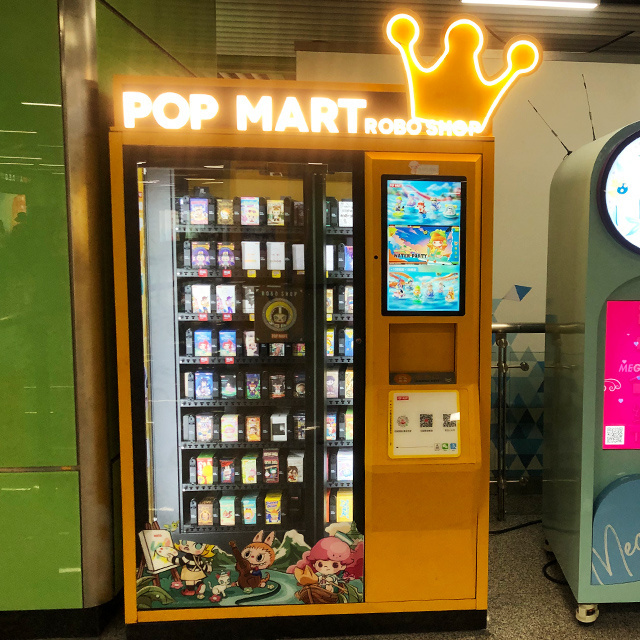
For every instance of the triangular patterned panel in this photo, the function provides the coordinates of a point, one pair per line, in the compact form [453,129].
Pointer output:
[535,433]
[516,464]
[517,401]
[520,432]
[522,291]
[535,464]
[512,294]
[526,459]
[526,418]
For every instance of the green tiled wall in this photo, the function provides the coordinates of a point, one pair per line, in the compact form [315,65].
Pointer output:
[40,539]
[36,376]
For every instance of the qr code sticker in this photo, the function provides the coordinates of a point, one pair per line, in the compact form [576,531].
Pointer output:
[614,434]
[447,422]
[426,421]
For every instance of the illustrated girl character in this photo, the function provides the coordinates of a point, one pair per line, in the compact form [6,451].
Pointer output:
[204,389]
[194,566]
[204,346]
[437,244]
[250,345]
[324,570]
[200,260]
[252,390]
[252,431]
[440,289]
[225,258]
[450,297]
[421,207]
[252,560]
[399,206]
[429,291]
[228,305]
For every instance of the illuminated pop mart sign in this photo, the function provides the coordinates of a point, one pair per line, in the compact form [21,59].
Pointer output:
[451,97]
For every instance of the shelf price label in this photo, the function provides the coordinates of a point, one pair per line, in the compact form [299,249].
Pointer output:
[229,360]
[204,360]
[251,273]
[276,274]
[227,317]
[203,316]
[226,273]
[202,273]
[252,317]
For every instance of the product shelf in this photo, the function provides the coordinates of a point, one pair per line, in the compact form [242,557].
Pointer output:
[262,444]
[239,486]
[244,230]
[222,360]
[339,402]
[280,403]
[338,484]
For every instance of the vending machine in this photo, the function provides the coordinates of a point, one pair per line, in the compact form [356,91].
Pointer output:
[303,287]
[592,466]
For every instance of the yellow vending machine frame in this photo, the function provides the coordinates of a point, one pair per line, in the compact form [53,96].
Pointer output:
[425,516]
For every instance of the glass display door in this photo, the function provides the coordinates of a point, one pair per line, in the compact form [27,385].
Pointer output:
[245,323]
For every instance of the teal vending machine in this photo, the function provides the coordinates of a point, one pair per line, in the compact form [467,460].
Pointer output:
[592,372]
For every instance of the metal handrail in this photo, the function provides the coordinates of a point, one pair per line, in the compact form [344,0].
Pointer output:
[500,330]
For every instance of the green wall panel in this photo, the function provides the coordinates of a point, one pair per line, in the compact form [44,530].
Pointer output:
[40,535]
[36,377]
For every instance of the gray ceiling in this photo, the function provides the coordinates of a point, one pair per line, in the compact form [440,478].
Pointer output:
[255,28]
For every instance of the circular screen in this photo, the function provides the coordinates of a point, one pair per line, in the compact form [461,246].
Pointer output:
[621,184]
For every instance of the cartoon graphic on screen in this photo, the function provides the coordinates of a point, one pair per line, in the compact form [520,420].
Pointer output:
[431,202]
[424,245]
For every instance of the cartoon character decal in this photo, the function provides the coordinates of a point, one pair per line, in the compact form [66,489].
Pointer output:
[191,556]
[324,571]
[218,590]
[263,571]
[252,560]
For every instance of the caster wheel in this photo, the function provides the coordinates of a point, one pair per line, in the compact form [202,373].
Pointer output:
[587,613]
[546,546]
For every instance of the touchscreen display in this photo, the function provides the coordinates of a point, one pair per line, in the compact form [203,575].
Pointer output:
[423,220]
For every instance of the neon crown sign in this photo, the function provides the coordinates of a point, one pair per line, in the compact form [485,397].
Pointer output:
[452,97]
[455,87]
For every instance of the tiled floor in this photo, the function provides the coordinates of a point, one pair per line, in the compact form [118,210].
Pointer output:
[522,603]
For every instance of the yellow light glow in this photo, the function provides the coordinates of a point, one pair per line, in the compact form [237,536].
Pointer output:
[165,99]
[352,105]
[135,104]
[324,111]
[291,117]
[203,107]
[245,111]
[403,31]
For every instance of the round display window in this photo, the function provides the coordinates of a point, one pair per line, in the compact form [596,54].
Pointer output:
[619,194]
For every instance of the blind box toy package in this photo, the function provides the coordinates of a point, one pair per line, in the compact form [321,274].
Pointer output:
[249,508]
[229,427]
[249,211]
[201,298]
[200,258]
[273,508]
[227,511]
[295,464]
[252,428]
